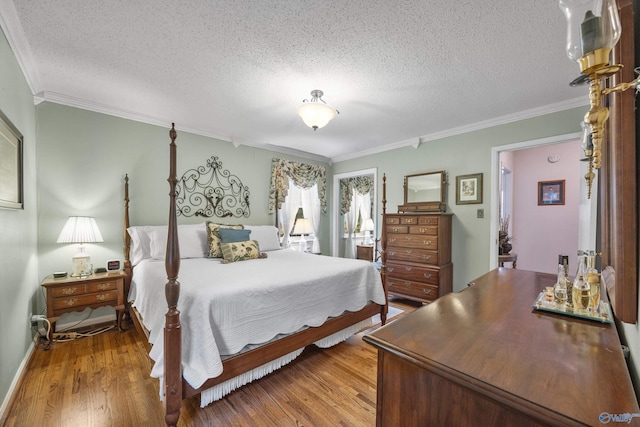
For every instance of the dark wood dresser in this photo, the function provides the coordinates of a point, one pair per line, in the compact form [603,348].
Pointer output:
[484,356]
[418,255]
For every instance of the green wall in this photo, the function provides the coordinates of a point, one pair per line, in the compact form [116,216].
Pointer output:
[83,157]
[19,281]
[461,155]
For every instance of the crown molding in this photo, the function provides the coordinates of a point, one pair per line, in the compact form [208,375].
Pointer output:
[510,118]
[14,33]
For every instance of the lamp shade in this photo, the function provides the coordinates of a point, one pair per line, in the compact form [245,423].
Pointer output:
[591,25]
[316,115]
[367,225]
[80,229]
[303,226]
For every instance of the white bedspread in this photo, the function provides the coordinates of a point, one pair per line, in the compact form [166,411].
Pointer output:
[225,307]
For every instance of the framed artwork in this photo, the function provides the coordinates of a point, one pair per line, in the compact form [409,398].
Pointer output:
[469,189]
[550,193]
[11,196]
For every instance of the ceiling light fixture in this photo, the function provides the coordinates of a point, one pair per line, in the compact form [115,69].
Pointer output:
[314,113]
[593,29]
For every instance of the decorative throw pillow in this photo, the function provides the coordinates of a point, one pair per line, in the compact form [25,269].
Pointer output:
[240,251]
[230,235]
[213,230]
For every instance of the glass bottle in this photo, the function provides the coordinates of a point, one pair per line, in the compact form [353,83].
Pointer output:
[560,288]
[565,263]
[581,288]
[593,278]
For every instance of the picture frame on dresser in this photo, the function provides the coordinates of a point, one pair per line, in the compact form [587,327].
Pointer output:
[11,189]
[469,189]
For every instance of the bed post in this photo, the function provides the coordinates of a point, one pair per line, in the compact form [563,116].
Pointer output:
[383,252]
[172,330]
[127,247]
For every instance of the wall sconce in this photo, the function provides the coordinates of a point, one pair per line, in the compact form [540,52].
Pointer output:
[593,29]
[314,113]
[80,229]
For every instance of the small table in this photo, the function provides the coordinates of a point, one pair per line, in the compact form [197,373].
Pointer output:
[364,252]
[69,294]
[512,258]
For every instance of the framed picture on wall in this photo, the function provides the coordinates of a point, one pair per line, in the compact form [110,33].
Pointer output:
[550,193]
[10,165]
[469,189]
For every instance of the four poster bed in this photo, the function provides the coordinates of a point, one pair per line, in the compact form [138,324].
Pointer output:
[240,320]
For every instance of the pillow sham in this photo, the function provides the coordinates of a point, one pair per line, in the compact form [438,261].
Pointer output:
[213,233]
[230,235]
[240,251]
[192,239]
[266,235]
[141,241]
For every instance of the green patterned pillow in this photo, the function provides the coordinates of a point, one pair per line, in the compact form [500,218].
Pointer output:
[213,231]
[240,251]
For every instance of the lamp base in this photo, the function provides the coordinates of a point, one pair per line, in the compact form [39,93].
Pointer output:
[81,266]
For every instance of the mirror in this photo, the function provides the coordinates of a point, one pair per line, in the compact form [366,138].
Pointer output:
[424,192]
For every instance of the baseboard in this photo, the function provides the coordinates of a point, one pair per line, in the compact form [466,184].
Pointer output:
[15,384]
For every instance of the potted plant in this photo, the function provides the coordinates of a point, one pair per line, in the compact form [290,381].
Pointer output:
[504,240]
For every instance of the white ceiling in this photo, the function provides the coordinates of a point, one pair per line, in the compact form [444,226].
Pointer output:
[399,72]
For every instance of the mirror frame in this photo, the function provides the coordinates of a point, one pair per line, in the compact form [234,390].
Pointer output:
[427,205]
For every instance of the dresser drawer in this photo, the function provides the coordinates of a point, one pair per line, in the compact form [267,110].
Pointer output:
[409,220]
[431,230]
[392,220]
[408,288]
[410,254]
[397,229]
[428,220]
[413,273]
[67,302]
[413,241]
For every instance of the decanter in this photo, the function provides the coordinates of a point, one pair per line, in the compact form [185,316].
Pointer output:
[560,288]
[581,288]
[593,278]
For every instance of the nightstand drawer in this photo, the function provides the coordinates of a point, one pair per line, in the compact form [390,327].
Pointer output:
[69,290]
[102,286]
[84,300]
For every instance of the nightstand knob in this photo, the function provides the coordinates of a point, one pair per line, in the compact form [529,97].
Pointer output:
[427,242]
[69,291]
[101,297]
[427,291]
[409,252]
[427,275]
[427,257]
[408,268]
[71,301]
[103,286]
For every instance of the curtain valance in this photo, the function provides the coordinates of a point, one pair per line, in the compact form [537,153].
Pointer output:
[361,184]
[303,175]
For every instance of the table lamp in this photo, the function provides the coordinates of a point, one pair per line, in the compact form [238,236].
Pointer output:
[367,227]
[302,227]
[80,229]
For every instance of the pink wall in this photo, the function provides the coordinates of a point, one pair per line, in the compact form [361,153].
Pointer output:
[541,233]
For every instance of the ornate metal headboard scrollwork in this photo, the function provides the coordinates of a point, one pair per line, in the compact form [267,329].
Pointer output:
[210,190]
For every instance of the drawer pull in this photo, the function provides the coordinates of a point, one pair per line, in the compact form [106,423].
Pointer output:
[427,291]
[390,269]
[70,302]
[427,257]
[408,268]
[69,291]
[392,240]
[409,251]
[409,221]
[392,253]
[423,230]
[427,275]
[101,297]
[103,286]
[395,229]
[427,242]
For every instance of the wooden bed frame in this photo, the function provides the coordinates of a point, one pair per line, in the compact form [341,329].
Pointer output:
[175,388]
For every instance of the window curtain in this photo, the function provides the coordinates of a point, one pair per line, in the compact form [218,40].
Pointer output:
[351,218]
[302,175]
[356,195]
[288,213]
[311,210]
[355,185]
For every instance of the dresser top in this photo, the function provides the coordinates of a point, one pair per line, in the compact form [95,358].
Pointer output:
[489,337]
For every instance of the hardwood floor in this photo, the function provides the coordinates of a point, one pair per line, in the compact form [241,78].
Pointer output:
[104,381]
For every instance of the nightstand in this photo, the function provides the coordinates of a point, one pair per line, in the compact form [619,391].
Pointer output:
[69,294]
[364,252]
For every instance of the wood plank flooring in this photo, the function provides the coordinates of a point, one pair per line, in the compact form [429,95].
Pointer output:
[104,381]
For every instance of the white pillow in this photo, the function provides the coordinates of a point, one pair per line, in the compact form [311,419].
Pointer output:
[141,241]
[266,235]
[191,237]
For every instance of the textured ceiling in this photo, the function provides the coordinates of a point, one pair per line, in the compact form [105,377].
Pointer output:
[399,72]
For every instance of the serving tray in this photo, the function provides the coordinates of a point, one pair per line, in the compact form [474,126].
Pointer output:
[603,315]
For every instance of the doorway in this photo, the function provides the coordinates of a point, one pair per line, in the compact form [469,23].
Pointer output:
[509,196]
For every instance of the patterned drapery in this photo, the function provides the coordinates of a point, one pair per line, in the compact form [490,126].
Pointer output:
[361,184]
[303,175]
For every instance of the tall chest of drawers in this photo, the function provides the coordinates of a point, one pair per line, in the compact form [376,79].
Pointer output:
[418,255]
